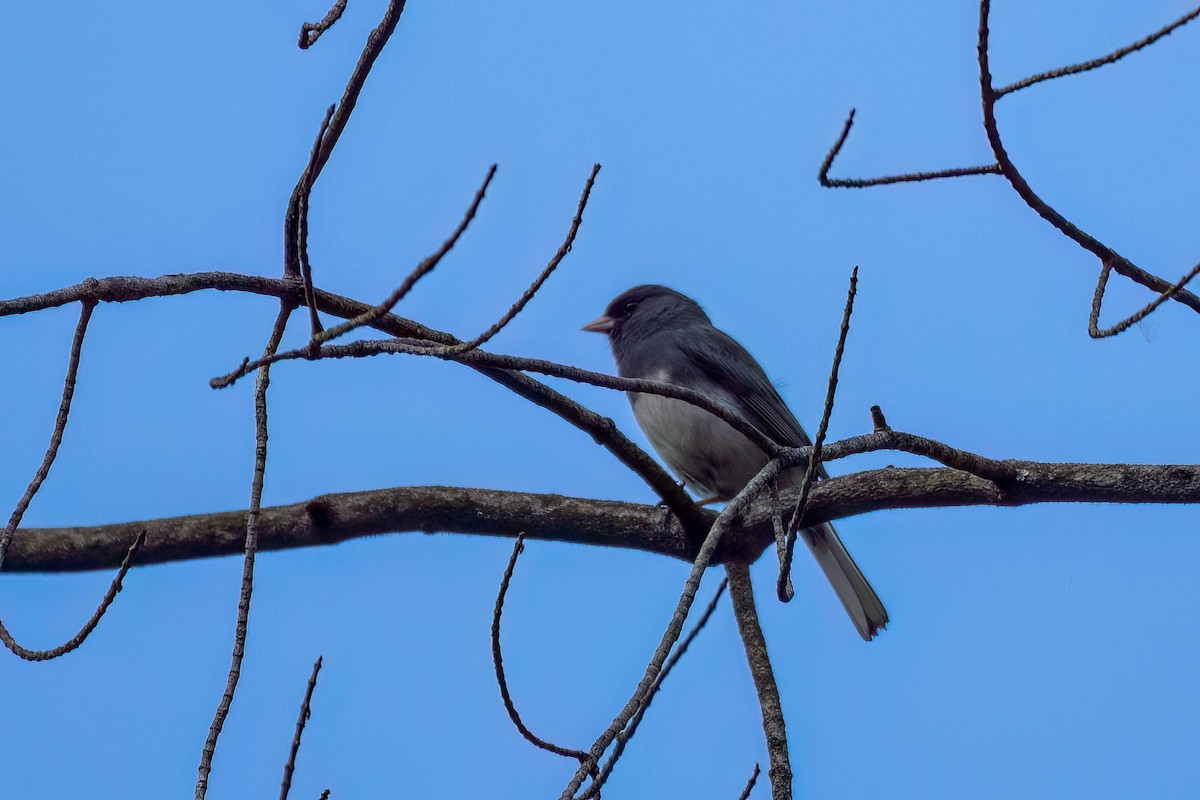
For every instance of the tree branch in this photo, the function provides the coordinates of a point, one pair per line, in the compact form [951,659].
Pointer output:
[1112,57]
[289,766]
[907,177]
[1110,260]
[250,547]
[602,429]
[741,592]
[332,518]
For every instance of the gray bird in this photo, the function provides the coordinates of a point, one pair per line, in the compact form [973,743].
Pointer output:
[659,334]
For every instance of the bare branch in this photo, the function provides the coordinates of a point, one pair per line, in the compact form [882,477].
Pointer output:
[478,358]
[333,518]
[908,177]
[750,784]
[87,306]
[1114,56]
[261,383]
[113,589]
[528,294]
[310,32]
[783,587]
[306,182]
[602,429]
[1098,299]
[624,736]
[645,686]
[741,592]
[1106,254]
[290,766]
[498,661]
[337,124]
[989,95]
[420,271]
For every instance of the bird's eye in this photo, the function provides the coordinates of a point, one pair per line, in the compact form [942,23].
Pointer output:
[630,306]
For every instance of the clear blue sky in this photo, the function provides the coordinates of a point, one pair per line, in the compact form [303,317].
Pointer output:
[1036,652]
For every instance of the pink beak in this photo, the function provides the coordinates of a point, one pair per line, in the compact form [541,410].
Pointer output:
[603,324]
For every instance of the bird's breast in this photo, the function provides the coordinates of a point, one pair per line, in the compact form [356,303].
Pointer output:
[703,450]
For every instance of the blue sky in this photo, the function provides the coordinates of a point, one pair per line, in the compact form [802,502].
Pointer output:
[1037,652]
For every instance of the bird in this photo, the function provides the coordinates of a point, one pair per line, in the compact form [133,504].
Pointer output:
[660,334]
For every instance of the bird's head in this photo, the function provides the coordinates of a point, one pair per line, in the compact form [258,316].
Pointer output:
[644,310]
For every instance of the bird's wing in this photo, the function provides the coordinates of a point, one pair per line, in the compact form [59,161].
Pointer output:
[719,356]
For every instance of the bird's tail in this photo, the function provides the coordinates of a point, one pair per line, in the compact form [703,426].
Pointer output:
[852,587]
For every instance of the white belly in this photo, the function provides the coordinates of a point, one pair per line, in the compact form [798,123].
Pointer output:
[704,451]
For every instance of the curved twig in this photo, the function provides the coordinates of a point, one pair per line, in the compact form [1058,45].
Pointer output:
[1102,251]
[1110,260]
[75,641]
[908,177]
[310,32]
[87,306]
[498,661]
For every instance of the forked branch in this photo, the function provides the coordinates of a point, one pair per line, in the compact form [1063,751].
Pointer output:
[1110,260]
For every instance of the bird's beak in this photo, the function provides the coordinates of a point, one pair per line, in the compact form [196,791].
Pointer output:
[603,324]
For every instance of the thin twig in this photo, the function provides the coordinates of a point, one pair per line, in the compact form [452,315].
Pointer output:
[480,358]
[750,784]
[310,32]
[783,587]
[1098,299]
[418,272]
[262,381]
[113,589]
[498,660]
[909,177]
[345,107]
[741,592]
[1085,66]
[625,735]
[528,294]
[306,179]
[305,713]
[675,626]
[60,425]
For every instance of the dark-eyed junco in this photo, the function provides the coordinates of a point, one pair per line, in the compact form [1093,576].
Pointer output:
[659,334]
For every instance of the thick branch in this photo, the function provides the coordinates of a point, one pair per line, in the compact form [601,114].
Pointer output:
[334,518]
